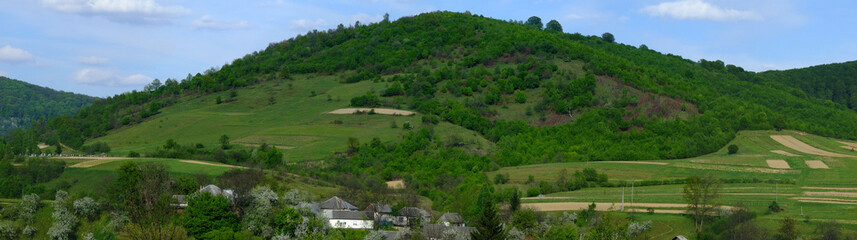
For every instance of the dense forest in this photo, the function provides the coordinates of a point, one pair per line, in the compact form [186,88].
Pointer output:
[23,103]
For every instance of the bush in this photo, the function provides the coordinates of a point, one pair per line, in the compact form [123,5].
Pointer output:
[133,154]
[774,207]
[138,232]
[8,230]
[85,207]
[733,149]
[533,191]
[520,96]
[500,179]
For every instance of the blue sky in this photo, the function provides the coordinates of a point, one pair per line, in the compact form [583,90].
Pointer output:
[105,47]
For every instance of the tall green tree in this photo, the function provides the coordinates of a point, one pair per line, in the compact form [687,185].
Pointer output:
[534,22]
[205,213]
[224,141]
[701,195]
[488,226]
[608,37]
[515,201]
[553,25]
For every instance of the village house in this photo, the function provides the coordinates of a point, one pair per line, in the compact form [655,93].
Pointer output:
[342,214]
[381,213]
[451,219]
[181,200]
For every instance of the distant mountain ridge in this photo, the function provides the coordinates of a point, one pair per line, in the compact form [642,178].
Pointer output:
[22,103]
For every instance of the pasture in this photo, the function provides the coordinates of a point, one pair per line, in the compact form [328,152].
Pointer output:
[294,115]
[823,172]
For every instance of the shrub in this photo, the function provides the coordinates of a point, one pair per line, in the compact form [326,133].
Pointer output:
[733,149]
[85,207]
[520,96]
[533,191]
[133,154]
[8,230]
[500,179]
[139,232]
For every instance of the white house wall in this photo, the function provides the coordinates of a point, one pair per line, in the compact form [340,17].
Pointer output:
[351,224]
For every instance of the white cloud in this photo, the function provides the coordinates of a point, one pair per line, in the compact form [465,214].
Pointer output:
[96,76]
[14,55]
[92,60]
[698,9]
[208,22]
[366,18]
[306,24]
[123,11]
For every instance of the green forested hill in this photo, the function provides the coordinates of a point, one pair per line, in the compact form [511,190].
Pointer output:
[22,103]
[535,96]
[836,82]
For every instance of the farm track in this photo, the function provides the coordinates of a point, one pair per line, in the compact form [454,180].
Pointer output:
[385,111]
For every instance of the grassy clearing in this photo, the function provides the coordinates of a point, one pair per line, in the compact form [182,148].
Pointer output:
[92,178]
[295,120]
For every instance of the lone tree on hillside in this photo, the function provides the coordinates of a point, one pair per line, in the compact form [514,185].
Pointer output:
[701,195]
[535,22]
[733,149]
[488,227]
[608,37]
[224,141]
[553,25]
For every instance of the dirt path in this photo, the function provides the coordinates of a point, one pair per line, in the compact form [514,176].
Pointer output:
[848,144]
[781,152]
[605,206]
[734,168]
[779,164]
[633,162]
[386,111]
[826,199]
[816,164]
[799,146]
[398,184]
[259,145]
[211,164]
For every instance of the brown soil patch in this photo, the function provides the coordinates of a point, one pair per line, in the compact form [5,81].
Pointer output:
[633,162]
[385,111]
[799,146]
[832,194]
[830,188]
[398,184]
[733,168]
[848,144]
[816,164]
[781,152]
[211,164]
[43,146]
[779,164]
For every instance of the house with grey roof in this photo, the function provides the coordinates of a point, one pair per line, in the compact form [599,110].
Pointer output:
[451,219]
[351,220]
[436,231]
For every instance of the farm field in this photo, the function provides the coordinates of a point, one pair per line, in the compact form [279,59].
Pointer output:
[823,172]
[298,116]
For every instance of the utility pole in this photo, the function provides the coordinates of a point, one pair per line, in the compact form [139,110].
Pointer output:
[632,193]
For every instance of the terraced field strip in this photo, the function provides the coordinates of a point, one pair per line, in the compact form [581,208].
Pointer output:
[211,164]
[674,208]
[799,146]
[93,163]
[634,162]
[386,111]
[733,168]
[816,164]
[832,194]
[830,188]
[779,164]
[784,153]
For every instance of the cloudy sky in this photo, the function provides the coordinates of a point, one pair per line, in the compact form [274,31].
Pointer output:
[105,47]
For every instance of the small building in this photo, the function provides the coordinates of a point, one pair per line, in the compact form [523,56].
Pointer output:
[451,219]
[679,237]
[411,215]
[180,201]
[435,231]
[381,213]
[351,220]
[335,204]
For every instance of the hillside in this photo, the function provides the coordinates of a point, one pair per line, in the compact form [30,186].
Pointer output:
[835,82]
[22,103]
[487,96]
